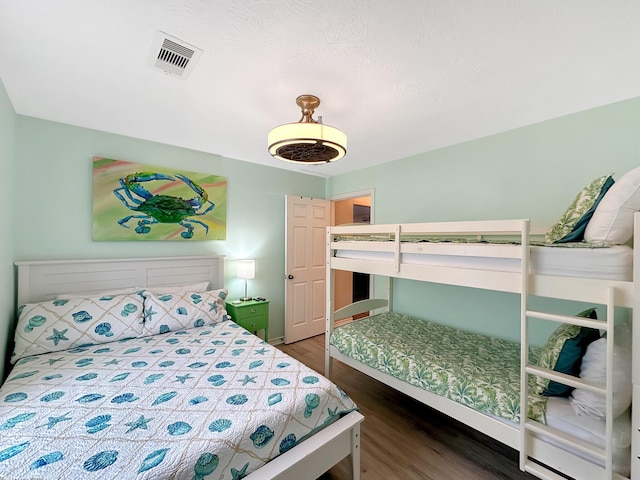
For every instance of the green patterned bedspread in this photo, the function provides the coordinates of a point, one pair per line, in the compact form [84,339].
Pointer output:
[475,370]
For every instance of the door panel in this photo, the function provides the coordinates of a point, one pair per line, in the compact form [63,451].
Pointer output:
[305,250]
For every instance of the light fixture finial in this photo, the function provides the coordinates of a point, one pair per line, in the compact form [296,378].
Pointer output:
[307,141]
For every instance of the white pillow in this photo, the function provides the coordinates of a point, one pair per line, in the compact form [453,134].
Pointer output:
[593,369]
[612,222]
[65,323]
[175,311]
[168,289]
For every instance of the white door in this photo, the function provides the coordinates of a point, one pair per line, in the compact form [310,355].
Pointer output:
[305,269]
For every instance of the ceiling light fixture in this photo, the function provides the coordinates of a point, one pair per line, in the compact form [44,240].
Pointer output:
[307,141]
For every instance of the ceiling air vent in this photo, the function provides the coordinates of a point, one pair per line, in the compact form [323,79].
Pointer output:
[173,56]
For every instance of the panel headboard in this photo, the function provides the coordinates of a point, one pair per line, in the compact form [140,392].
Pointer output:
[39,281]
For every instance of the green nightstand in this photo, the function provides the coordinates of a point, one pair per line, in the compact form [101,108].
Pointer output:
[252,315]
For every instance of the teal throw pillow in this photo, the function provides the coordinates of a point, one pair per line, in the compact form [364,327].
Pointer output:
[582,203]
[577,234]
[563,353]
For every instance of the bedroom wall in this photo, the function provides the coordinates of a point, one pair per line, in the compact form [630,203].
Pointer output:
[531,172]
[54,163]
[7,157]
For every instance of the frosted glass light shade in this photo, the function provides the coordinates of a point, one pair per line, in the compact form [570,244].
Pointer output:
[246,269]
[310,143]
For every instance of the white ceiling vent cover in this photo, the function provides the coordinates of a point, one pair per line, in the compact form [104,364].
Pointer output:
[173,56]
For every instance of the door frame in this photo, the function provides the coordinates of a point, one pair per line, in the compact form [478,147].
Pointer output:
[346,196]
[369,192]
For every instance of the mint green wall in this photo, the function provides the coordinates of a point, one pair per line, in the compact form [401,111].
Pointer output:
[531,172]
[7,225]
[54,170]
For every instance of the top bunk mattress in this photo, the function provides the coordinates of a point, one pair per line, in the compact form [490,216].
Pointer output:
[610,263]
[183,404]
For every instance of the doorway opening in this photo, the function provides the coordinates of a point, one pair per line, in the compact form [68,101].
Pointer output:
[351,286]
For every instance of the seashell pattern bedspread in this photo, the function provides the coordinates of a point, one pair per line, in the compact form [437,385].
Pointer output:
[475,370]
[207,402]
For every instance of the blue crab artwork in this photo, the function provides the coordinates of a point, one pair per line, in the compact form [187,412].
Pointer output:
[162,208]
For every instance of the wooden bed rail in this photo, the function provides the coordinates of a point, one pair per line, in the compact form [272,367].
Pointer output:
[490,227]
[363,306]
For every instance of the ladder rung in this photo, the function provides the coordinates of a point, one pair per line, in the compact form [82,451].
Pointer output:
[565,379]
[568,440]
[541,472]
[580,321]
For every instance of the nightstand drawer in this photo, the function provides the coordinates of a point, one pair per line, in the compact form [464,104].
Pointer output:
[252,324]
[251,311]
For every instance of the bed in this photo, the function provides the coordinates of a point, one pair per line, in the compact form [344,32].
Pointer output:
[180,392]
[500,255]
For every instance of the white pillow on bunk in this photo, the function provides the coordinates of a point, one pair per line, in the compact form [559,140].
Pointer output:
[593,369]
[66,323]
[612,222]
[175,311]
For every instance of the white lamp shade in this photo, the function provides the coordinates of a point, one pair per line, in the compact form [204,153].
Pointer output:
[246,269]
[296,134]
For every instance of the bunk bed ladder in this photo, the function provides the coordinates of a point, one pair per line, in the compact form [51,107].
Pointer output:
[529,428]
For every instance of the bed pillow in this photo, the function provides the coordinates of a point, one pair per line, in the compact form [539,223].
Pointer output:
[563,353]
[175,311]
[65,323]
[577,233]
[573,222]
[612,221]
[593,370]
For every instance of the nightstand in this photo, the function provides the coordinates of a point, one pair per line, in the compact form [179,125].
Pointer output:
[252,315]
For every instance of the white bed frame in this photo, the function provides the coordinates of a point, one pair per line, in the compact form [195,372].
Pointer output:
[526,438]
[43,280]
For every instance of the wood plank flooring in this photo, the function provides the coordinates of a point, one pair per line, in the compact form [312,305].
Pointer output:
[404,439]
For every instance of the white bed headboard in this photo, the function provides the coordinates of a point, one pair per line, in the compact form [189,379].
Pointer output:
[42,280]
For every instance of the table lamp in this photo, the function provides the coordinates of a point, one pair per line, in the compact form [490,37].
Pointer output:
[246,270]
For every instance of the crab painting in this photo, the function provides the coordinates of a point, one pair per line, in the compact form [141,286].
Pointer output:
[153,208]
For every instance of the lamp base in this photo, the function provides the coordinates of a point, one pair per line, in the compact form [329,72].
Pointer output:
[245,299]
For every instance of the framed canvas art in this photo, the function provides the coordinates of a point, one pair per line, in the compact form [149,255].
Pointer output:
[132,201]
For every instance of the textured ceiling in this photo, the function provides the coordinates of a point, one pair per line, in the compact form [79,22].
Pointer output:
[398,77]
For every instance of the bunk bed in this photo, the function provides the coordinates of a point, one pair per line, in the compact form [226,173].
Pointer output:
[498,255]
[164,386]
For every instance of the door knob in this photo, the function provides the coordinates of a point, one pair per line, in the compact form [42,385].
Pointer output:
[290,277]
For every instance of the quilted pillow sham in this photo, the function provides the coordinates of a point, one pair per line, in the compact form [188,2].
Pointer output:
[574,221]
[66,323]
[563,353]
[175,311]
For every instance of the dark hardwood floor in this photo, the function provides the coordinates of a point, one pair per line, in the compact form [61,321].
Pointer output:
[404,439]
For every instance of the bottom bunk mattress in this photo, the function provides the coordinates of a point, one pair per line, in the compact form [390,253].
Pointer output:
[475,370]
[186,404]
[486,377]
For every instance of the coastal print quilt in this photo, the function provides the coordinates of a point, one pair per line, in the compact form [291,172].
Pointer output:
[475,370]
[210,402]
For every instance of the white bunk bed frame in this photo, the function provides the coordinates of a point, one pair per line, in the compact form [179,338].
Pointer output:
[42,280]
[535,454]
